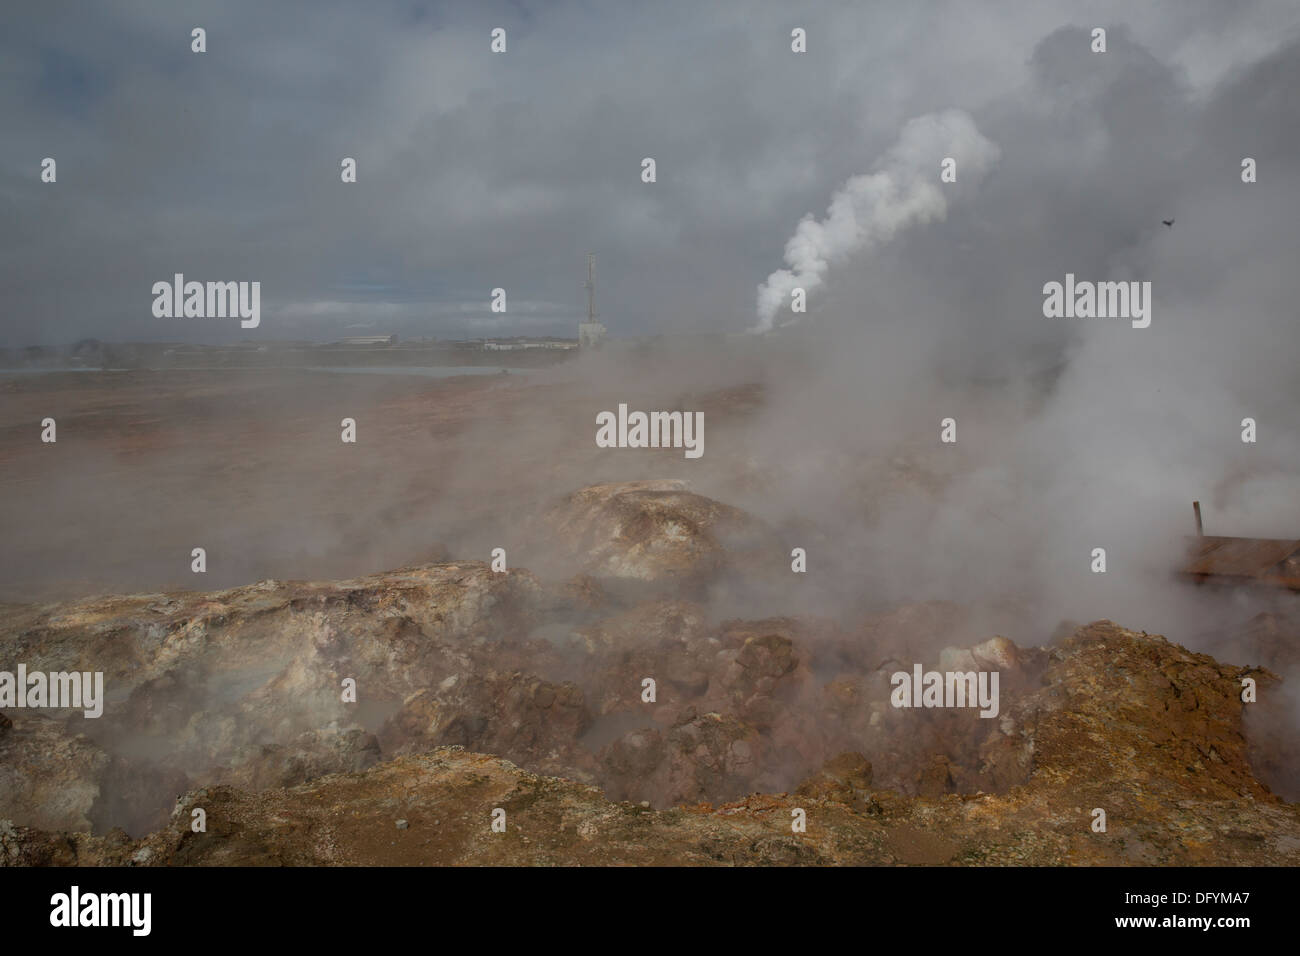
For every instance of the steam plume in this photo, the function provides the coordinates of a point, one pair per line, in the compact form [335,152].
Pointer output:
[870,208]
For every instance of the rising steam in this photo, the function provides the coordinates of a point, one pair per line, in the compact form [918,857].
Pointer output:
[904,189]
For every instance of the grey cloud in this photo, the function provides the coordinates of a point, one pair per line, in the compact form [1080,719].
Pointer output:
[479,171]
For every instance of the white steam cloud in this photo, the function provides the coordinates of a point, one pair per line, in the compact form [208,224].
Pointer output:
[904,189]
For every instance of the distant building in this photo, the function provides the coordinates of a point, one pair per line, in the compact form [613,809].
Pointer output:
[371,340]
[510,345]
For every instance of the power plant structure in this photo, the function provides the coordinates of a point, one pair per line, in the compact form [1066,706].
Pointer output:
[591,334]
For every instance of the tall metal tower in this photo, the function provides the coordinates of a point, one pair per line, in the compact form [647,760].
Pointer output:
[591,333]
[590,286]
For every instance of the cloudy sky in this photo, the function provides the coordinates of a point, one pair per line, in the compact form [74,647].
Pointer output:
[480,170]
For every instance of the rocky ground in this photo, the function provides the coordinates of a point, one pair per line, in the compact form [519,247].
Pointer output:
[615,718]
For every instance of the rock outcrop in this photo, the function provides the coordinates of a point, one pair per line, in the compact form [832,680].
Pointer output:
[653,533]
[614,726]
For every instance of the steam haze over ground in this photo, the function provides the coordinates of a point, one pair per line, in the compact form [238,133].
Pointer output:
[1128,426]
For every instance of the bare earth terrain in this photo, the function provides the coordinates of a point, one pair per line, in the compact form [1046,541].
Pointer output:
[524,690]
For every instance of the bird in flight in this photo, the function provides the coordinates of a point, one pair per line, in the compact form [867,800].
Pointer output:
[1168,222]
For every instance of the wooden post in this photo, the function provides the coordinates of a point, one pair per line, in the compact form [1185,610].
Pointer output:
[1196,506]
